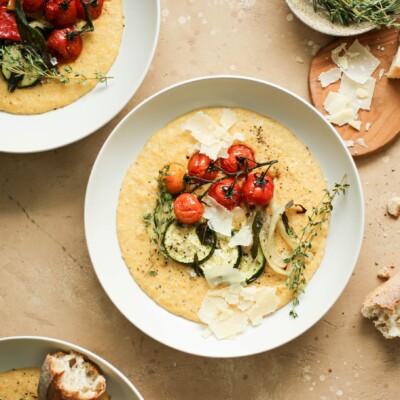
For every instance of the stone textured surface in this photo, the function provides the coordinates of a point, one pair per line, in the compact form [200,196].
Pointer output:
[47,283]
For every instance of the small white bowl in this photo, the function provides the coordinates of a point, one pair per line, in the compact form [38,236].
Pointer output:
[304,10]
[30,351]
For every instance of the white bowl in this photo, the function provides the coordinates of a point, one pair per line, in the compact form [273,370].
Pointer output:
[30,351]
[32,133]
[121,148]
[304,10]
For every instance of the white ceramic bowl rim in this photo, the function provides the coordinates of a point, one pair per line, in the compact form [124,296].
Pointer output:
[92,356]
[357,188]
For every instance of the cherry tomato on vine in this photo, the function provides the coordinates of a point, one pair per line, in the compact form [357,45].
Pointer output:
[172,176]
[65,44]
[200,165]
[95,9]
[258,189]
[61,13]
[31,6]
[227,193]
[231,163]
[188,208]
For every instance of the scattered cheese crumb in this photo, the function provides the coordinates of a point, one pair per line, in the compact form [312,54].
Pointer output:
[393,207]
[361,142]
[299,60]
[349,143]
[381,73]
[367,126]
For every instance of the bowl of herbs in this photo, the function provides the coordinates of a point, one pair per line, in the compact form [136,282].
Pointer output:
[346,17]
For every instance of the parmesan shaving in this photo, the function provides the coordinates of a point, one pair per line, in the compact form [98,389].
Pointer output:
[219,218]
[214,139]
[329,77]
[229,311]
[221,273]
[361,64]
[243,238]
[356,124]
[349,143]
[359,94]
[228,118]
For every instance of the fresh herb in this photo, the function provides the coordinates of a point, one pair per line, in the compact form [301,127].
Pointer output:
[29,64]
[256,228]
[153,272]
[196,265]
[296,280]
[157,221]
[345,12]
[205,234]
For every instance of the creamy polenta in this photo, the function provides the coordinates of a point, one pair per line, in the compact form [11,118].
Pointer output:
[172,286]
[100,49]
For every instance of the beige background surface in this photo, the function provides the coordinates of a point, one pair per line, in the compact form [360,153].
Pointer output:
[47,283]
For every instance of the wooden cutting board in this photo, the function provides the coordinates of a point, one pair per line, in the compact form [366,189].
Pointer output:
[384,116]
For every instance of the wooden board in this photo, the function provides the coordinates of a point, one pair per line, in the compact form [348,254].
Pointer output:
[384,115]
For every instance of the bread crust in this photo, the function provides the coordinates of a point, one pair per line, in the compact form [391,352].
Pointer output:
[386,296]
[394,71]
[50,383]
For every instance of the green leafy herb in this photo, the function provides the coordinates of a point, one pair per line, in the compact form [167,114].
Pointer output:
[205,234]
[157,221]
[296,281]
[27,63]
[345,12]
[256,228]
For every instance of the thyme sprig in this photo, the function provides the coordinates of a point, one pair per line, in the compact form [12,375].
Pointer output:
[296,280]
[32,65]
[345,12]
[156,221]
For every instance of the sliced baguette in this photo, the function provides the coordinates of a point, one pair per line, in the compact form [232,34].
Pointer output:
[70,376]
[394,71]
[382,305]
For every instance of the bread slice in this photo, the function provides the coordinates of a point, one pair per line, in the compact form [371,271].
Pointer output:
[70,376]
[394,71]
[382,305]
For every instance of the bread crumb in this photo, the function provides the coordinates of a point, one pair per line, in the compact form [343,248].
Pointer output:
[386,272]
[393,207]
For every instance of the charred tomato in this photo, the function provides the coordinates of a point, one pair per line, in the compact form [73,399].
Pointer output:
[8,25]
[227,192]
[258,189]
[95,8]
[172,176]
[202,167]
[31,6]
[188,209]
[65,44]
[61,13]
[238,156]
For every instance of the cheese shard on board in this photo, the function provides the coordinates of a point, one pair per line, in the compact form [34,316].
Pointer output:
[361,63]
[337,102]
[229,311]
[358,93]
[330,76]
[341,118]
[214,139]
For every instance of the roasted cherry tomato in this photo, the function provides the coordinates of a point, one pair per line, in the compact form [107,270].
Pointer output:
[31,6]
[188,208]
[201,166]
[233,161]
[65,44]
[61,13]
[95,8]
[258,189]
[8,25]
[173,178]
[227,193]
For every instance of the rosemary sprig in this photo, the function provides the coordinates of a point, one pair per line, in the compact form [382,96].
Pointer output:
[31,65]
[296,280]
[156,221]
[345,12]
